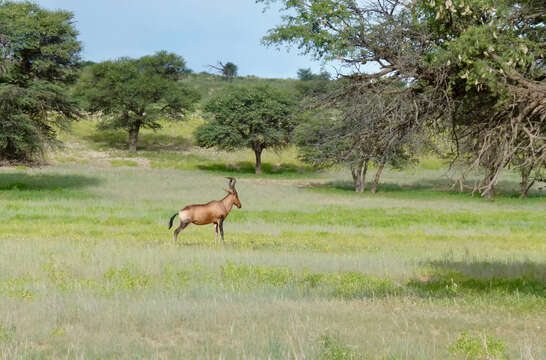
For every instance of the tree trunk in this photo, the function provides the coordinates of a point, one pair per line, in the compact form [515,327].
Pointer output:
[377,177]
[489,185]
[359,175]
[133,138]
[525,185]
[258,153]
[354,174]
[490,193]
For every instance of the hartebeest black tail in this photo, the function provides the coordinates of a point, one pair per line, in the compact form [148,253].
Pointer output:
[171,221]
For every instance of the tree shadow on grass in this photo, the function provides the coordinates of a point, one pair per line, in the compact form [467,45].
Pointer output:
[433,188]
[489,269]
[441,187]
[246,168]
[44,182]
[451,277]
[117,139]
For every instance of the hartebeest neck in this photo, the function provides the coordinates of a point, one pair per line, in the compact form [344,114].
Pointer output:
[228,202]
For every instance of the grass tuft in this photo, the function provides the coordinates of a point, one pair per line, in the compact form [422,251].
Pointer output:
[118,163]
[333,349]
[483,347]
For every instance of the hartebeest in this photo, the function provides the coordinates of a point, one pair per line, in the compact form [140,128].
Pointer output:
[213,212]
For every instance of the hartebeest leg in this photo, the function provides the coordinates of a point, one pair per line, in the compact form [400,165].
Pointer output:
[216,230]
[181,227]
[222,229]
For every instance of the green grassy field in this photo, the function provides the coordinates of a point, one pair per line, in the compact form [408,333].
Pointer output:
[309,270]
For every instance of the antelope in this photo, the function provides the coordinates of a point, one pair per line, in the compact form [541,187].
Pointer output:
[213,212]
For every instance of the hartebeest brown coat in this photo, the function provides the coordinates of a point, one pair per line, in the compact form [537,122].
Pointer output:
[213,212]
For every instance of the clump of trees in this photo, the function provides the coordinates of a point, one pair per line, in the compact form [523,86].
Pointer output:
[256,117]
[308,75]
[132,94]
[474,69]
[470,69]
[39,53]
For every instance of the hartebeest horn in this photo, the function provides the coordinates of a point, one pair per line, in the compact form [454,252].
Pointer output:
[232,182]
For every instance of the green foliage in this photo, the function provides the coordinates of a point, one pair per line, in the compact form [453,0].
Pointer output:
[479,348]
[253,117]
[313,84]
[248,117]
[307,75]
[135,94]
[484,45]
[308,25]
[38,57]
[431,163]
[313,87]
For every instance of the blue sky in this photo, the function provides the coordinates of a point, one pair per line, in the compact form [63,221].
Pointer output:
[202,31]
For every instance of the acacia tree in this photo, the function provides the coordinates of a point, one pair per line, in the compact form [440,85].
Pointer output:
[227,70]
[480,61]
[39,53]
[134,94]
[494,55]
[248,117]
[356,130]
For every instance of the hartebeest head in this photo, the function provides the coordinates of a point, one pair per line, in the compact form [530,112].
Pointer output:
[233,192]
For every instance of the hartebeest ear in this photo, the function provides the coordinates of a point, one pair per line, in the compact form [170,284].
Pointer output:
[232,182]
